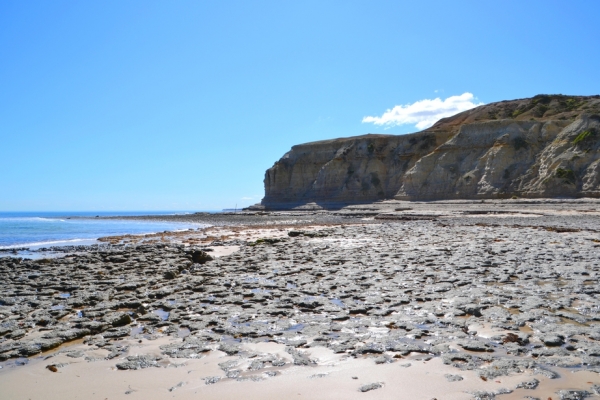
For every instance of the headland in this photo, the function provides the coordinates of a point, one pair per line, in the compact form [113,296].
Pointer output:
[541,147]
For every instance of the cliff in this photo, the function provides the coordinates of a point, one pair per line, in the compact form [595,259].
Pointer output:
[545,146]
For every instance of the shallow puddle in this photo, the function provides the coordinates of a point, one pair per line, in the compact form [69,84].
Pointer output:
[295,328]
[164,315]
[338,303]
[136,330]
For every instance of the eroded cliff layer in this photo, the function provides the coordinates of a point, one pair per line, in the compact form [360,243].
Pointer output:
[546,146]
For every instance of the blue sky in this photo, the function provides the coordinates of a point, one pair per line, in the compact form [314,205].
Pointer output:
[183,105]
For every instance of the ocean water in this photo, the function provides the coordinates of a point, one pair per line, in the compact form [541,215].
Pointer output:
[44,229]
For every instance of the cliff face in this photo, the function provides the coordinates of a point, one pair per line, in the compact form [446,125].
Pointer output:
[358,169]
[546,146]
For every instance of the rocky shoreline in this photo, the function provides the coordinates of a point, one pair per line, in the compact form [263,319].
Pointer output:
[497,292]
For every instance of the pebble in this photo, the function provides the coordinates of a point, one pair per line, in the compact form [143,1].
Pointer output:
[370,386]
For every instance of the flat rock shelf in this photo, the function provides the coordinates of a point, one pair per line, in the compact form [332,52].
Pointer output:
[485,304]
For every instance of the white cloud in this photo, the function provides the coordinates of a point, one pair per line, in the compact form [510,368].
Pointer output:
[424,113]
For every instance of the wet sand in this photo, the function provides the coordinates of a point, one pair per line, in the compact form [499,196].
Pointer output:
[331,378]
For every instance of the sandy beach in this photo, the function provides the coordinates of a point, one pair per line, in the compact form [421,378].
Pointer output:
[447,300]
